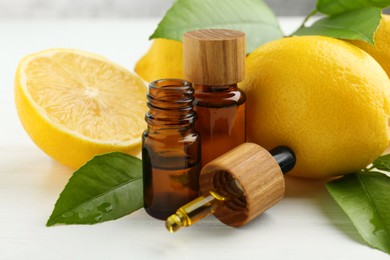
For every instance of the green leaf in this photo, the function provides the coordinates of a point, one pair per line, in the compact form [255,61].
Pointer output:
[364,197]
[253,17]
[359,24]
[332,7]
[106,188]
[382,163]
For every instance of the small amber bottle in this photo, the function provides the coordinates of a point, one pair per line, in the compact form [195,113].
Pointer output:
[214,60]
[171,148]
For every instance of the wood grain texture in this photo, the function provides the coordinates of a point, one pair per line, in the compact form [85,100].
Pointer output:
[257,173]
[214,56]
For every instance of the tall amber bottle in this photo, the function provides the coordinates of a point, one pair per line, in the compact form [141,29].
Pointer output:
[214,60]
[171,148]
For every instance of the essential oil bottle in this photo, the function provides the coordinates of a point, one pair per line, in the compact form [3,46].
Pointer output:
[171,148]
[214,60]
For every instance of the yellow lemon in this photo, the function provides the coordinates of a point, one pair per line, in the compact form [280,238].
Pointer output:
[381,50]
[325,98]
[75,105]
[163,60]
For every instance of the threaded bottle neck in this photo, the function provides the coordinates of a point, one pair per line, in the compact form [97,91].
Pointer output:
[216,88]
[170,103]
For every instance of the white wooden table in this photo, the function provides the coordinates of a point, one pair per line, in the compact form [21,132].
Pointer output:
[307,224]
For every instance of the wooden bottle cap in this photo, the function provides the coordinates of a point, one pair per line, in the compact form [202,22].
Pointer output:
[257,175]
[214,56]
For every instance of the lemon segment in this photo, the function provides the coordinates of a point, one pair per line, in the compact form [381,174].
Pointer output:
[75,105]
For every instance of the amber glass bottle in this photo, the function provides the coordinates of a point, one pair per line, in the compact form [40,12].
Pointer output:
[171,148]
[214,60]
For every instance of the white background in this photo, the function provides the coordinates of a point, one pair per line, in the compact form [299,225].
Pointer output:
[119,8]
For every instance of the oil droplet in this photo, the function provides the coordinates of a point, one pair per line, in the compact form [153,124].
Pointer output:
[105,207]
[68,214]
[81,215]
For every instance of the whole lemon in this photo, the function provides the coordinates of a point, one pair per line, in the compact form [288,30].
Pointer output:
[325,98]
[381,50]
[164,59]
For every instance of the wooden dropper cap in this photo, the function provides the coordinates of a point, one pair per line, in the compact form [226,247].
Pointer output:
[256,172]
[237,186]
[214,56]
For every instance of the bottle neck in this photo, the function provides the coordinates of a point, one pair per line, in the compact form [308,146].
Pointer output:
[218,96]
[170,104]
[216,88]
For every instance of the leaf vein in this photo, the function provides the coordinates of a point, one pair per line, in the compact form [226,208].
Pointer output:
[372,204]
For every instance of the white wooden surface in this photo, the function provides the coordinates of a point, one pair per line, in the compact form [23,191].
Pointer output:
[307,224]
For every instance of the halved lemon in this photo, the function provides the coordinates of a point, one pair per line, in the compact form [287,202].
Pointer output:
[75,105]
